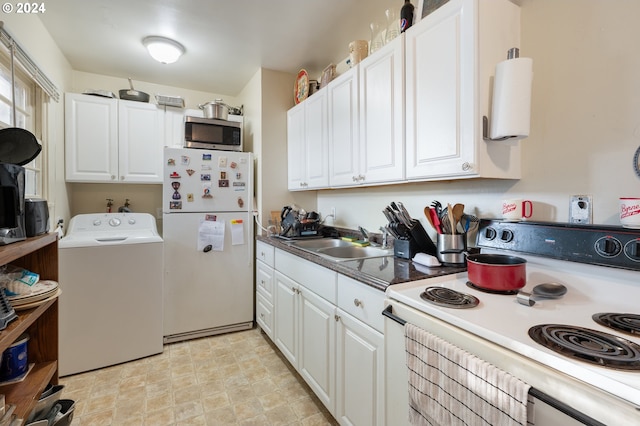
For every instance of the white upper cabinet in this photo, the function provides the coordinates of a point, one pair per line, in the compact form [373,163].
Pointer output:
[91,138]
[450,58]
[382,114]
[344,140]
[140,142]
[366,120]
[307,147]
[110,140]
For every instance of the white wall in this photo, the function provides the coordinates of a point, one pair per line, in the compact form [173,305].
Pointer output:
[585,123]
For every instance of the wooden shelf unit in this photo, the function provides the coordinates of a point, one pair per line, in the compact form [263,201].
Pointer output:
[40,255]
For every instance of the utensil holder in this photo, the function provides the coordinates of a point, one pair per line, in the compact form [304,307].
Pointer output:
[451,248]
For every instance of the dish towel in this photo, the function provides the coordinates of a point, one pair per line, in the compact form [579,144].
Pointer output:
[449,386]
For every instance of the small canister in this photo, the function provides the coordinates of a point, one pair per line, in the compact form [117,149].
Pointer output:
[14,359]
[451,248]
[358,50]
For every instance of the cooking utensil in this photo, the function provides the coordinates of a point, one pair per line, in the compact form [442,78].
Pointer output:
[542,291]
[215,109]
[496,271]
[437,206]
[133,95]
[458,211]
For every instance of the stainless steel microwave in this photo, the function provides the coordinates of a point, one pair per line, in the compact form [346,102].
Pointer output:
[210,133]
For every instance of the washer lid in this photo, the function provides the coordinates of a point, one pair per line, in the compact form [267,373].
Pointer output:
[18,146]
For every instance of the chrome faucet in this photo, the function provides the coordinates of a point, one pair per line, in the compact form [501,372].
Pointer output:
[385,237]
[364,232]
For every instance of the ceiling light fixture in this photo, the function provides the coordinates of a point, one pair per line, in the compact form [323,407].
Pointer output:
[163,49]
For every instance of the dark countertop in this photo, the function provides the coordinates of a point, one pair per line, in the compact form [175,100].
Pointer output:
[377,272]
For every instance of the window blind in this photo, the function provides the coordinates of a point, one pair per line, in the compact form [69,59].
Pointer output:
[29,65]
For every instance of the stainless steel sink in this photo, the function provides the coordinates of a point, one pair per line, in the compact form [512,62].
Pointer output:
[340,250]
[321,243]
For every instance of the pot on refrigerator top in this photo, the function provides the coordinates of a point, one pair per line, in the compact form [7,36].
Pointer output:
[497,272]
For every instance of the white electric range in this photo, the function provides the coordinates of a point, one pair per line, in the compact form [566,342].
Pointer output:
[599,267]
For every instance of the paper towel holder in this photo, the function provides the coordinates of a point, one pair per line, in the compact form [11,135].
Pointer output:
[512,53]
[485,131]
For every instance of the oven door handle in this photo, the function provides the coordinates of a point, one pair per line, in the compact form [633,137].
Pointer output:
[388,312]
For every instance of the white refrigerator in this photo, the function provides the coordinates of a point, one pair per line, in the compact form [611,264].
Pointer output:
[208,242]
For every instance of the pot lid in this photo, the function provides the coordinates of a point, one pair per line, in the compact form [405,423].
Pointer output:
[18,146]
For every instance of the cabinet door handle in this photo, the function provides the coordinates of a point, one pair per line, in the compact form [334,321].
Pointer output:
[357,302]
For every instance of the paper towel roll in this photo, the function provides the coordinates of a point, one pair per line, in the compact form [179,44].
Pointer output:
[511,111]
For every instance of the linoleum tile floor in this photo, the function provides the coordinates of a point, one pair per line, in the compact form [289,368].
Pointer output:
[230,379]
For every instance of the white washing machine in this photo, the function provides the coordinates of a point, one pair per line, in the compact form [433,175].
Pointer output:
[110,273]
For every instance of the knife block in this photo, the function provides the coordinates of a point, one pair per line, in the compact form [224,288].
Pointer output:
[405,249]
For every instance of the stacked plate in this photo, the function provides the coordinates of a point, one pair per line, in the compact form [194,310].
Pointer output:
[41,292]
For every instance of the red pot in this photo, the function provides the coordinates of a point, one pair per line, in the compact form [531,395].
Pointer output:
[496,271]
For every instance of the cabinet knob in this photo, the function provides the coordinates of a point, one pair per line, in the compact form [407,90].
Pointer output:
[355,178]
[113,177]
[262,282]
[361,177]
[466,166]
[336,317]
[121,177]
[261,315]
[357,302]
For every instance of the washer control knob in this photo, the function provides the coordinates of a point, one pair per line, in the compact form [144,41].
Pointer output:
[97,222]
[114,221]
[632,250]
[608,246]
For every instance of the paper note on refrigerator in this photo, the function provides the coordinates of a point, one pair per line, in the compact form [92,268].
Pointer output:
[211,235]
[237,232]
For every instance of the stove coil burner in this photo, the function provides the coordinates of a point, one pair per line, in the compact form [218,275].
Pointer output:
[448,298]
[488,290]
[592,346]
[626,323]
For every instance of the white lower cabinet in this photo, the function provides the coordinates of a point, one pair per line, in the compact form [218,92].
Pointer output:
[360,373]
[305,334]
[264,287]
[329,327]
[360,354]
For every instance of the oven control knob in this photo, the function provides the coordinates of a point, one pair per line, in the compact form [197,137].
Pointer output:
[490,234]
[608,246]
[114,221]
[632,250]
[506,235]
[97,222]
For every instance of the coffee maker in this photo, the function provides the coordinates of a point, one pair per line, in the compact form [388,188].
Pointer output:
[12,226]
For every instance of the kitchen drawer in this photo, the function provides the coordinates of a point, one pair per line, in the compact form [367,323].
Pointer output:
[264,315]
[363,302]
[318,279]
[264,280]
[264,252]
